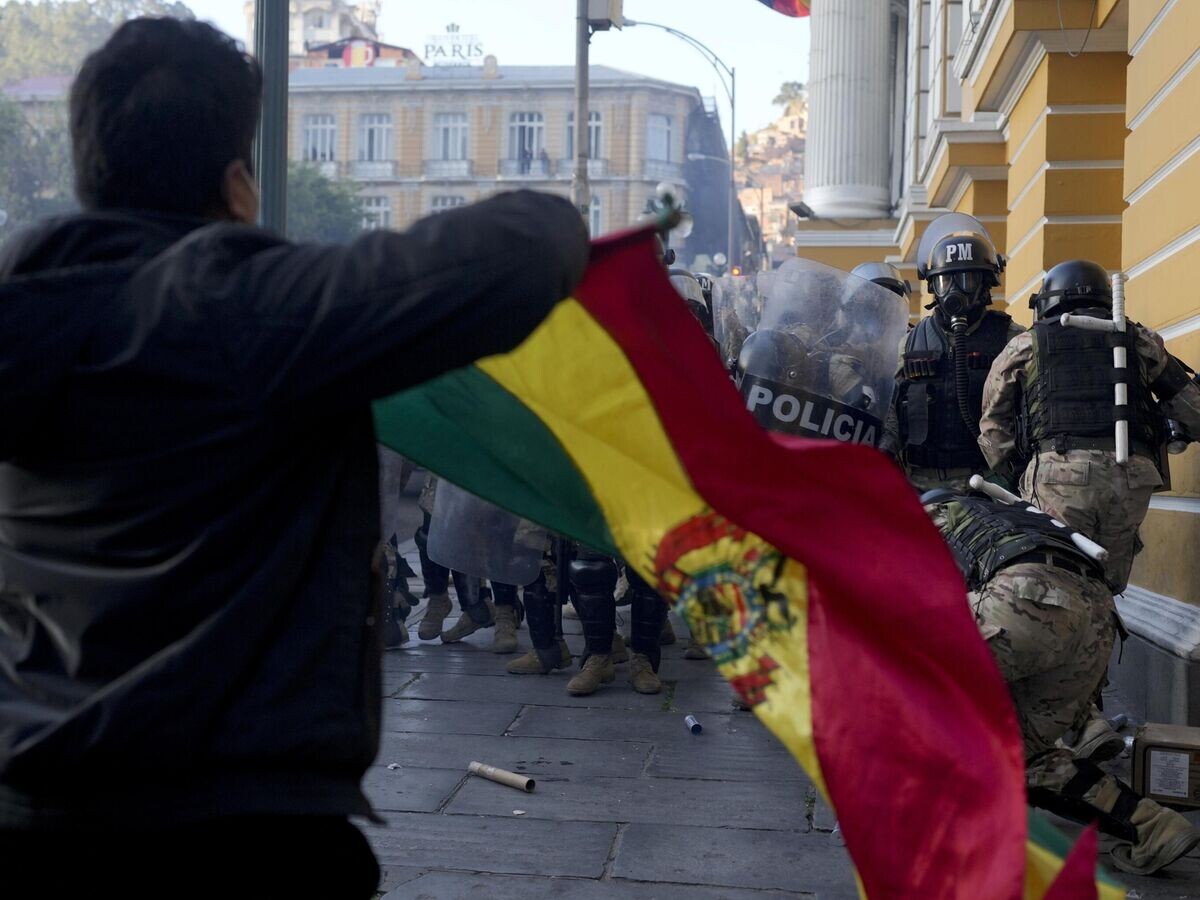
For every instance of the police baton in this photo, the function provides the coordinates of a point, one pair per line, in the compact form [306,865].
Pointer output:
[1120,361]
[1085,544]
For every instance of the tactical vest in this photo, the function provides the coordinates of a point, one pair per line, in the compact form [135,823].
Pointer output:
[985,537]
[1067,390]
[932,432]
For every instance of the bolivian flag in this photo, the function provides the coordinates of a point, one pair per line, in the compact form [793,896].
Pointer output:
[807,567]
[789,7]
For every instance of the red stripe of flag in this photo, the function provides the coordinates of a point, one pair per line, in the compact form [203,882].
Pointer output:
[914,727]
[788,7]
[1077,878]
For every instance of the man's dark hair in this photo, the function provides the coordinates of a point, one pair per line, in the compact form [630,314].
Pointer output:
[157,115]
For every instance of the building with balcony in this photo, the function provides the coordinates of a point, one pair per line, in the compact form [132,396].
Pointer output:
[420,139]
[1069,138]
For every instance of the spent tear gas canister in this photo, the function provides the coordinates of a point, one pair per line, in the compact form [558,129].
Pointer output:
[471,535]
[822,361]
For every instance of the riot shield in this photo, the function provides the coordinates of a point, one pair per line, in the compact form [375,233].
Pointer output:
[735,312]
[945,226]
[475,537]
[822,363]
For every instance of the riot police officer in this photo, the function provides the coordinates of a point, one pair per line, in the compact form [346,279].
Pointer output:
[1047,420]
[886,275]
[1049,398]
[946,357]
[477,610]
[593,581]
[1046,613]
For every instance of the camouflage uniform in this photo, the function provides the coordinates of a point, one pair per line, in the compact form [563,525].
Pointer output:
[1051,631]
[1084,488]
[1049,624]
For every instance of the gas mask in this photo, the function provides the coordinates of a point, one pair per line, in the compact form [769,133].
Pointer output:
[960,295]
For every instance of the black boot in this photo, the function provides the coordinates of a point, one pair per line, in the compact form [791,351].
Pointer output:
[548,652]
[649,611]
[593,580]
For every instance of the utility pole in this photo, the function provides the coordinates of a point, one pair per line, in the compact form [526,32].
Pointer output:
[735,256]
[724,72]
[581,192]
[270,147]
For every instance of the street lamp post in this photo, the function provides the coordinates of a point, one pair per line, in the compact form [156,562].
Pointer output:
[580,189]
[723,72]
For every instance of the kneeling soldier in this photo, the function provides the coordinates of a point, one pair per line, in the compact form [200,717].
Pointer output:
[1046,612]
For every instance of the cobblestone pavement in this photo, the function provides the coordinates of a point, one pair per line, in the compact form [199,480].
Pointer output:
[628,803]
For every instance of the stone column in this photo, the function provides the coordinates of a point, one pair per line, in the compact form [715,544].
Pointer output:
[849,92]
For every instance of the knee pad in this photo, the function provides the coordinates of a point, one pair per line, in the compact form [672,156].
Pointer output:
[594,576]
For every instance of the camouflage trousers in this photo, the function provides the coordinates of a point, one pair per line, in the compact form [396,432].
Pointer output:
[1051,632]
[1091,493]
[1055,769]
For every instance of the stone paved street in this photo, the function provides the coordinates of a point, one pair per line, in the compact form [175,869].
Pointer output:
[628,803]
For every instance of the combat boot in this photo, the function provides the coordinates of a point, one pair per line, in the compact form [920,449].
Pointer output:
[596,671]
[642,675]
[1163,836]
[467,624]
[435,617]
[395,635]
[1097,741]
[530,663]
[667,635]
[620,653]
[504,639]
[695,650]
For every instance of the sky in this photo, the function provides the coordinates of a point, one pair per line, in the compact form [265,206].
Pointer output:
[764,47]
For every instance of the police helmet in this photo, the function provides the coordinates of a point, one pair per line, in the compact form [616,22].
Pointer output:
[884,274]
[778,355]
[1071,285]
[964,260]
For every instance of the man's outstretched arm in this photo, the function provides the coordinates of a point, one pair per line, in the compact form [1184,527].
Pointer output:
[393,309]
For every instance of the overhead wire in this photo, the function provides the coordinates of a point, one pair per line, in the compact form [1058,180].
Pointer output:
[1063,28]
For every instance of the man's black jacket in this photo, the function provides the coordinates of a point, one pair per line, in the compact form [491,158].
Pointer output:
[189,501]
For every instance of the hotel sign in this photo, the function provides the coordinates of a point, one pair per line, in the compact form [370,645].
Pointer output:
[453,48]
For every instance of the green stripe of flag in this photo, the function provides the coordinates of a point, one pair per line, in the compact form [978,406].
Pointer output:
[470,430]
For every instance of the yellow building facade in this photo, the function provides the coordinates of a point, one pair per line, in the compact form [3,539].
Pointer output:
[418,139]
[1071,138]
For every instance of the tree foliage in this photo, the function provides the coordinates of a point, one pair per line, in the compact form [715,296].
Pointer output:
[789,93]
[52,37]
[35,175]
[742,147]
[319,208]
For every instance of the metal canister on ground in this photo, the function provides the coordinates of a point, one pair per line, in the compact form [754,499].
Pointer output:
[693,724]
[502,776]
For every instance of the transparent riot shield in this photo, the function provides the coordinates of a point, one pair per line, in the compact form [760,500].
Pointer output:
[736,305]
[945,226]
[475,537]
[822,363]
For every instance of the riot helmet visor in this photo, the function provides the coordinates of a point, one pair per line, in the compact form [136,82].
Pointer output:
[968,282]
